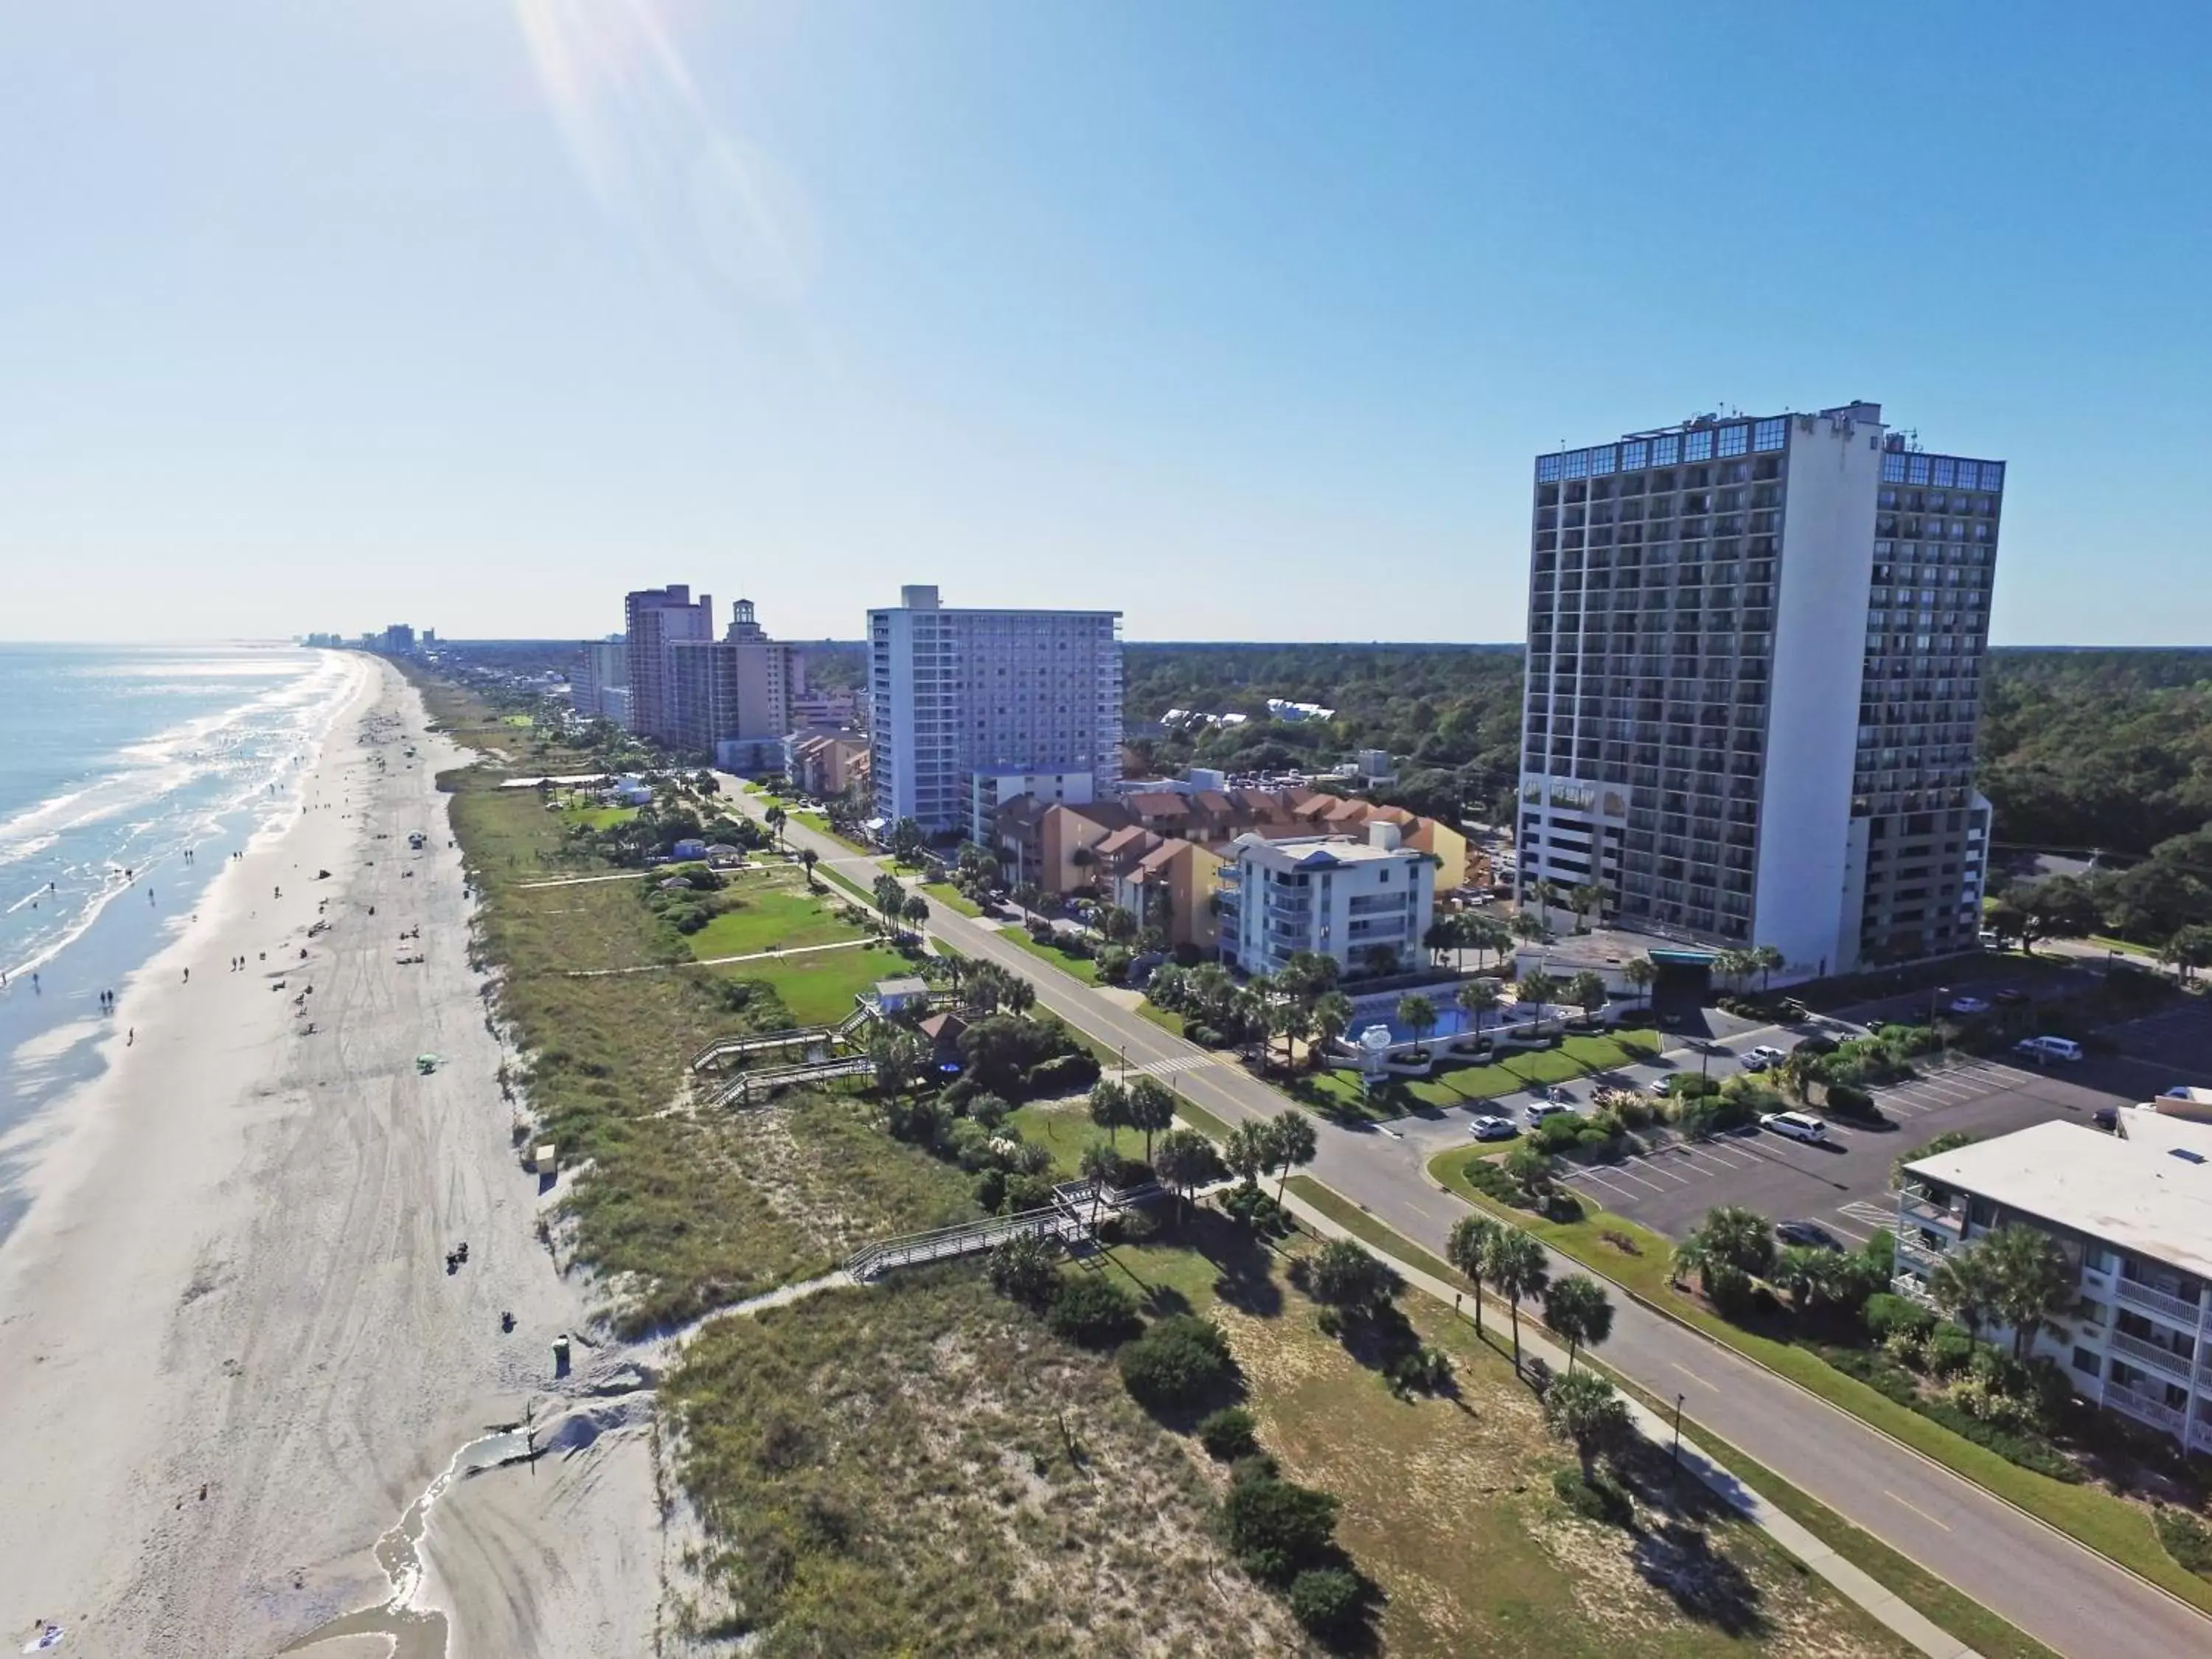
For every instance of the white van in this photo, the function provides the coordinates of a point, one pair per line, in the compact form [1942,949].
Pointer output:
[2048,1047]
[1798,1126]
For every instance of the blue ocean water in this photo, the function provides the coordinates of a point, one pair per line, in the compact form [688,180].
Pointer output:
[115,762]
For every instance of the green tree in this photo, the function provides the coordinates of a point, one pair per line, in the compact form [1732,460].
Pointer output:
[1739,1238]
[1380,959]
[1109,1105]
[890,898]
[1586,990]
[2030,1283]
[1470,1237]
[1293,1022]
[1541,989]
[1117,924]
[1514,1264]
[1769,961]
[916,911]
[1247,1151]
[1347,1277]
[908,841]
[2188,951]
[1291,1142]
[1417,1015]
[1183,1159]
[1101,1165]
[1479,999]
[1586,897]
[808,858]
[1963,1287]
[2061,907]
[774,818]
[1578,1312]
[1023,1269]
[1332,1016]
[1149,1109]
[1585,1410]
[1641,975]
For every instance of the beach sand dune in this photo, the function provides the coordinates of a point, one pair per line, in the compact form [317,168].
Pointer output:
[231,1354]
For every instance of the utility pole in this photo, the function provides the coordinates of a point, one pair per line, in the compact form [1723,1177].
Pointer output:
[1677,1455]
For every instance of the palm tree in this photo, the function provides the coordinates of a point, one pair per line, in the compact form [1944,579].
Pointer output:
[1291,1140]
[1585,1410]
[1526,927]
[916,910]
[1642,975]
[1181,1161]
[1546,894]
[1513,1265]
[1332,1017]
[1030,896]
[1101,1164]
[1149,1107]
[1248,1151]
[808,858]
[1417,1015]
[2030,1283]
[1479,997]
[774,818]
[1585,897]
[1293,1022]
[1963,1288]
[1577,1309]
[1470,1237]
[1541,988]
[1769,960]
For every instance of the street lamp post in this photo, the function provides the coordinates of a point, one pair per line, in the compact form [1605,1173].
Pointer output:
[1705,1060]
[1125,1063]
[1677,1455]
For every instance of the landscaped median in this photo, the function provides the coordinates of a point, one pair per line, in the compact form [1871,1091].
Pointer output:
[1638,1259]
[1338,1093]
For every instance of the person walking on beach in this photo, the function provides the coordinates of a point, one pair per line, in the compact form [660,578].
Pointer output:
[132,1038]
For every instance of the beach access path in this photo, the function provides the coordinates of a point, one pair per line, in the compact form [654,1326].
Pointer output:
[230,1352]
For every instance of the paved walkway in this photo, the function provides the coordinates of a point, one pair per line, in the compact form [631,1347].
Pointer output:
[1848,1580]
[718,962]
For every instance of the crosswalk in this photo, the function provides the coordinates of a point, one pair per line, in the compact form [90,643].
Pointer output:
[1180,1063]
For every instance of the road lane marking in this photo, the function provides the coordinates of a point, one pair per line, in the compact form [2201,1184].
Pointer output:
[1916,1508]
[1707,1383]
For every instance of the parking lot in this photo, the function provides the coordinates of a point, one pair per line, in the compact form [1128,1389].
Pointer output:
[1845,1184]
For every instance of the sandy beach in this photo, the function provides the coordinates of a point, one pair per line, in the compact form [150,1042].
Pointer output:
[231,1354]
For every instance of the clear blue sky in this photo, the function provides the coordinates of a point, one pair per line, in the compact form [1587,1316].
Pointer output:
[1245,319]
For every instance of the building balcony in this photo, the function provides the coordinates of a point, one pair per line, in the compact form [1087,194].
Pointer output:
[2142,1408]
[2200,1436]
[2157,1302]
[1927,1211]
[2165,1359]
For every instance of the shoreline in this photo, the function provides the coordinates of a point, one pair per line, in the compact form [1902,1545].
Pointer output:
[231,1355]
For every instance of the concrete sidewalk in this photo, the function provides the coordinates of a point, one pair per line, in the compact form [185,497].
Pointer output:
[1848,1580]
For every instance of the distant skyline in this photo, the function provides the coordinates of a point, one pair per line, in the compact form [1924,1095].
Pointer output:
[1243,319]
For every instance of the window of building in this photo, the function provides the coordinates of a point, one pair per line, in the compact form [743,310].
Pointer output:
[1635,455]
[1769,434]
[1601,460]
[1735,440]
[1698,446]
[1549,468]
[1946,469]
[1892,466]
[1992,475]
[1970,476]
[1578,463]
[1916,469]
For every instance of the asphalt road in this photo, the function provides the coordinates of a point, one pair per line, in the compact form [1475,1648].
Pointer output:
[2062,1593]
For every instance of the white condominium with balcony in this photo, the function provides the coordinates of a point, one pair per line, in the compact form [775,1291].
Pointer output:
[1754,668]
[1331,895]
[2132,1211]
[954,695]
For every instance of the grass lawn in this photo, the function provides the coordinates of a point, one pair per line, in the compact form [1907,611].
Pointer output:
[598,818]
[1635,1258]
[818,989]
[1065,1129]
[2129,946]
[1084,968]
[945,893]
[1362,1225]
[1166,1018]
[774,914]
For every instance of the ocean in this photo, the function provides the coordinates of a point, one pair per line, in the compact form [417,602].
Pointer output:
[128,776]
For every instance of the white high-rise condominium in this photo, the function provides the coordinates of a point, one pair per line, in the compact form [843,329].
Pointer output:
[1754,668]
[959,697]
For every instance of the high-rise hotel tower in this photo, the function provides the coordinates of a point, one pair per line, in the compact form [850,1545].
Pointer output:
[1755,656]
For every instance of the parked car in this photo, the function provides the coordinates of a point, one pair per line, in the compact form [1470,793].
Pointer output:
[1811,1234]
[1798,1126]
[2011,997]
[2044,1048]
[1763,1056]
[1540,1110]
[1966,1005]
[1490,1127]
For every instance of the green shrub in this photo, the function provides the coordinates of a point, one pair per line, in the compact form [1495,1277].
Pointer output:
[1948,1352]
[1848,1100]
[1181,1361]
[1204,1035]
[2187,1539]
[1729,1289]
[1328,1601]
[1093,1312]
[1277,1528]
[1228,1434]
[1063,1074]
[1886,1312]
[1595,1500]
